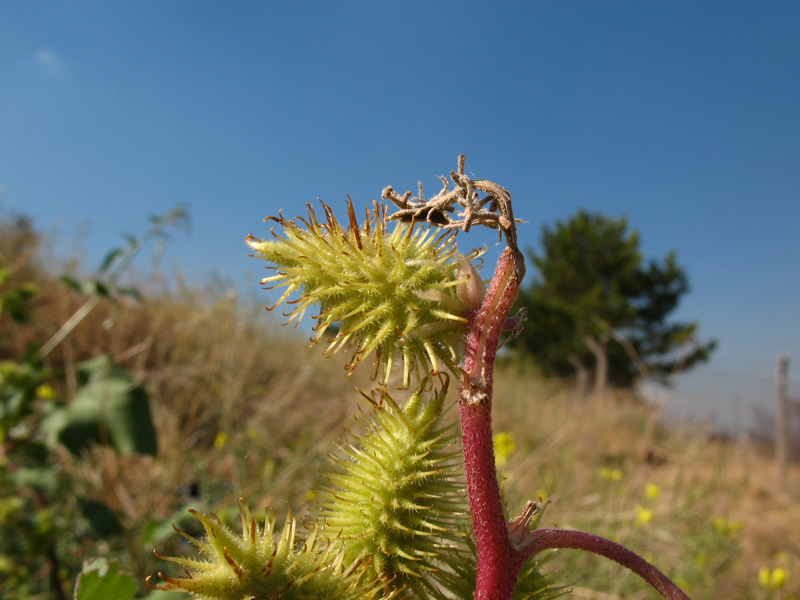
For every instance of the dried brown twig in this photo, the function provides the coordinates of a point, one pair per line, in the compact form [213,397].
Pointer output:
[492,210]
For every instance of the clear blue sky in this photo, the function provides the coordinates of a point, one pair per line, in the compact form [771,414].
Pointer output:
[684,116]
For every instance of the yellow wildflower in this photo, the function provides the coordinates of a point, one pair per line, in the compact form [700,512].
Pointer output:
[763,577]
[772,579]
[643,515]
[504,447]
[607,474]
[726,527]
[652,491]
[45,392]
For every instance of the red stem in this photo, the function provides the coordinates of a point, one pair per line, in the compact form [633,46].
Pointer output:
[498,563]
[543,539]
[495,553]
[500,555]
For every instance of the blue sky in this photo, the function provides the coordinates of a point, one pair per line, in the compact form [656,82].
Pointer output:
[684,116]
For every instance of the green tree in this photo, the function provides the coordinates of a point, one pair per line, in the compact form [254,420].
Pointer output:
[596,304]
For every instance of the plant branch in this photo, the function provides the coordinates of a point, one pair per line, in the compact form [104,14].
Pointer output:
[120,260]
[545,539]
[497,567]
[502,547]
[462,208]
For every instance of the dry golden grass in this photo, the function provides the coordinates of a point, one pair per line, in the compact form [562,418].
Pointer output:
[596,461]
[242,407]
[245,409]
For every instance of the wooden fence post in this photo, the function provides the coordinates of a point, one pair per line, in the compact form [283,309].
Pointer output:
[782,422]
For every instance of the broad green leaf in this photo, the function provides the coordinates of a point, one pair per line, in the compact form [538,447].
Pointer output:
[99,580]
[109,408]
[102,520]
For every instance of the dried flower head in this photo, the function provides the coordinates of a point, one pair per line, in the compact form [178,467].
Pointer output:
[390,292]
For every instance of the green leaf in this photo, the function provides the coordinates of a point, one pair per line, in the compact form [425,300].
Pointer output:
[102,520]
[43,479]
[159,531]
[109,408]
[90,287]
[109,259]
[71,283]
[94,287]
[99,580]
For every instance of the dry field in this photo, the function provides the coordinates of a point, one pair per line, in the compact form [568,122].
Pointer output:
[244,409]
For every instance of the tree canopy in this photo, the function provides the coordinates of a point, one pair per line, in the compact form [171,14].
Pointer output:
[595,304]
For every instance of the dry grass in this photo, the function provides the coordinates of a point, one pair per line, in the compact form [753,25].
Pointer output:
[595,461]
[244,409]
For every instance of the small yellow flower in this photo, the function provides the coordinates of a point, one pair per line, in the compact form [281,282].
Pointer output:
[252,433]
[45,392]
[504,447]
[221,439]
[643,515]
[726,527]
[778,577]
[763,577]
[607,474]
[772,579]
[652,491]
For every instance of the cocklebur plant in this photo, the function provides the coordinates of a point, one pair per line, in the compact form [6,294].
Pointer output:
[395,495]
[262,563]
[402,290]
[395,520]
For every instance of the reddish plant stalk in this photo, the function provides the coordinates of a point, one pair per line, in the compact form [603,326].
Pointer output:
[498,565]
[543,539]
[503,548]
